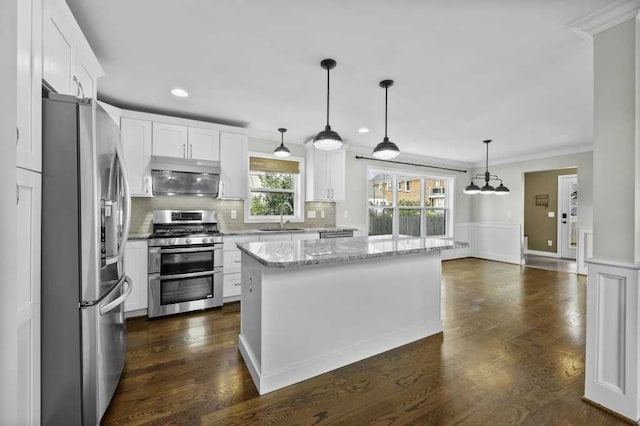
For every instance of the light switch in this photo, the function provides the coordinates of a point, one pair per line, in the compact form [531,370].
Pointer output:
[311,214]
[550,243]
[346,214]
[552,214]
[234,214]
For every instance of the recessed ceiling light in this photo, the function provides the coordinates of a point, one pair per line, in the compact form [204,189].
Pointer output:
[363,130]
[181,93]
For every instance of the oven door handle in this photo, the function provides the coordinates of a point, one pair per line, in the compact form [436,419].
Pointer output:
[189,275]
[189,249]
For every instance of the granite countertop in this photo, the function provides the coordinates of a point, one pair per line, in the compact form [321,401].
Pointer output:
[286,231]
[313,252]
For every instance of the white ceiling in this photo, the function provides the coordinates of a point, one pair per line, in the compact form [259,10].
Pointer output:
[465,70]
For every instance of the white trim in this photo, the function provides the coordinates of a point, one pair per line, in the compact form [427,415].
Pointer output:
[585,249]
[561,202]
[613,263]
[605,18]
[542,253]
[160,118]
[539,156]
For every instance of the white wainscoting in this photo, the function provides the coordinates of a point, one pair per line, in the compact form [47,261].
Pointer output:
[611,376]
[486,241]
[585,249]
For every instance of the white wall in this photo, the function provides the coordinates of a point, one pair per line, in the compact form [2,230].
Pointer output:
[509,209]
[614,160]
[8,220]
[356,185]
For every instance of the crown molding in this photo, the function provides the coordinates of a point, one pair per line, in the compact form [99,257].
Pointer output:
[539,156]
[605,18]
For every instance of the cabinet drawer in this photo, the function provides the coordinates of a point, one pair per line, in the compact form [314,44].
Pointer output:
[231,285]
[275,237]
[232,261]
[229,243]
[305,236]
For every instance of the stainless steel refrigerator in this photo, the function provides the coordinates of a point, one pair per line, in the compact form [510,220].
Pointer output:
[86,208]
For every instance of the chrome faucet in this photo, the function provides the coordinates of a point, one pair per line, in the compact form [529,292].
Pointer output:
[282,206]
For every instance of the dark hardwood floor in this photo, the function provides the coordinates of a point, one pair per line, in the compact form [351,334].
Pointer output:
[512,352]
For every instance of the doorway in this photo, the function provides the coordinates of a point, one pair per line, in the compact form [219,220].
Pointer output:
[568,216]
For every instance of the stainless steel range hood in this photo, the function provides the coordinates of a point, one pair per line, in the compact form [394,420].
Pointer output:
[185,176]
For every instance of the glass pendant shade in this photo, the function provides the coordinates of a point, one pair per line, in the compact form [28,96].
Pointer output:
[281,151]
[386,150]
[327,140]
[472,189]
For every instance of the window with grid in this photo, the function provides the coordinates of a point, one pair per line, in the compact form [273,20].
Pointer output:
[274,188]
[420,205]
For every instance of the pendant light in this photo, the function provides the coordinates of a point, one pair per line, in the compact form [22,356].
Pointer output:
[486,189]
[281,151]
[327,140]
[386,149]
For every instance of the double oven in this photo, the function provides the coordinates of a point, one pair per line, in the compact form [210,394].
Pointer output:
[185,262]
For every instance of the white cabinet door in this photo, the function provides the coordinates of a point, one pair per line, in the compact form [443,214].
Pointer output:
[27,286]
[233,165]
[135,261]
[136,144]
[58,60]
[29,85]
[204,144]
[85,73]
[317,177]
[231,286]
[170,140]
[336,164]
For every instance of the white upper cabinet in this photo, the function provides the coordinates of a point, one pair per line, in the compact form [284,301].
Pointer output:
[173,140]
[170,140]
[234,150]
[204,144]
[325,174]
[136,144]
[29,85]
[69,66]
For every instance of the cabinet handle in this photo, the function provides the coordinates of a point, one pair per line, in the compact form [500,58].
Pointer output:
[75,79]
[17,135]
[80,89]
[184,151]
[190,151]
[236,284]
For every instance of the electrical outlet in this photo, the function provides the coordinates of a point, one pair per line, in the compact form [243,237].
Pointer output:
[346,214]
[234,214]
[322,214]
[552,214]
[550,243]
[311,214]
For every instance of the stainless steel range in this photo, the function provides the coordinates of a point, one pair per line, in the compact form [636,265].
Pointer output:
[185,262]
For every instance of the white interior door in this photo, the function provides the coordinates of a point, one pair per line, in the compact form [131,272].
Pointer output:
[568,215]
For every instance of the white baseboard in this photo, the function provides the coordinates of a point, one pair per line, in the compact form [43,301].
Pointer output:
[542,253]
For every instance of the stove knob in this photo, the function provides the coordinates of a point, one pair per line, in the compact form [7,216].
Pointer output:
[171,241]
[205,240]
[162,242]
[188,241]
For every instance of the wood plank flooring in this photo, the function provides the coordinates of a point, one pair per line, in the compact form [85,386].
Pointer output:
[512,352]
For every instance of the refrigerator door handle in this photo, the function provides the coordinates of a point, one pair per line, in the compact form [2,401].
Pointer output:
[127,204]
[117,302]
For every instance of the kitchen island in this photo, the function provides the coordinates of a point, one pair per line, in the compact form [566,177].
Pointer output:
[311,306]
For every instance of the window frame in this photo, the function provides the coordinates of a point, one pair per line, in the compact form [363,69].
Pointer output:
[298,192]
[396,176]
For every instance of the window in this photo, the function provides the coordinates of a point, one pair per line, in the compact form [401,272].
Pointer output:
[419,207]
[274,188]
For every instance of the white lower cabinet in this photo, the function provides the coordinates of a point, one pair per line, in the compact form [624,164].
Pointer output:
[232,266]
[136,263]
[275,237]
[28,200]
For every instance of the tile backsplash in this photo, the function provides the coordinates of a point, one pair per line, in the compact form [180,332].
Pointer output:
[142,213]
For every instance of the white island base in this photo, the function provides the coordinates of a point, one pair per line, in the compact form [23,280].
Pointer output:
[299,321]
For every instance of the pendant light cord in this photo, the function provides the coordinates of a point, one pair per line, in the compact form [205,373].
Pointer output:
[386,99]
[328,71]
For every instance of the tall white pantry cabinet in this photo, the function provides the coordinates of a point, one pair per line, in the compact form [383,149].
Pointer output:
[51,49]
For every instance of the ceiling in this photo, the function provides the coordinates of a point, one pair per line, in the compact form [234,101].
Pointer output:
[464,70]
